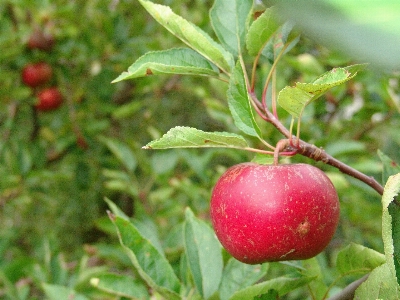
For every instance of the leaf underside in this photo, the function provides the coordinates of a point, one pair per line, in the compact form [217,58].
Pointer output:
[190,34]
[182,61]
[188,137]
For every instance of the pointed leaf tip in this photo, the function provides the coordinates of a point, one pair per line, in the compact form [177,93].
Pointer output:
[111,215]
[261,31]
[183,61]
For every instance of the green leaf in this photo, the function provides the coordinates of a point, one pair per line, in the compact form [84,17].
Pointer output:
[270,295]
[57,292]
[263,159]
[237,276]
[148,229]
[115,209]
[190,34]
[356,68]
[188,137]
[391,224]
[164,161]
[148,261]
[282,42]
[312,268]
[122,152]
[239,103]
[127,110]
[368,31]
[261,31]
[228,18]
[379,285]
[120,285]
[184,270]
[342,147]
[173,61]
[282,285]
[390,167]
[295,99]
[24,159]
[357,258]
[145,225]
[203,254]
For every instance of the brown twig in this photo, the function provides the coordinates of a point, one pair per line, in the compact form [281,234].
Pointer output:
[318,154]
[348,292]
[35,124]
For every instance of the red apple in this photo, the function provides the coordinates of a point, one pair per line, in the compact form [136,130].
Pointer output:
[40,40]
[49,99]
[37,74]
[265,213]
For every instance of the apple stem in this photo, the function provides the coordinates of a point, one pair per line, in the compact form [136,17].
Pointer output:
[281,145]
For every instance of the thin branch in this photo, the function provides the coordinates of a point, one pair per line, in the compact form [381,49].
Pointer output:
[348,292]
[313,152]
[269,77]
[258,106]
[254,71]
[252,100]
[318,154]
[274,96]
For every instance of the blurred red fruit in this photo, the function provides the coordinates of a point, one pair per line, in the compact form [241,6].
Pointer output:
[49,99]
[37,74]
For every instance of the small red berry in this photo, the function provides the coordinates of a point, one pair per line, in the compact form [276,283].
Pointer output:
[37,74]
[49,99]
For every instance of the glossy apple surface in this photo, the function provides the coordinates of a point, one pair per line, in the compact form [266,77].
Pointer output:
[265,213]
[49,99]
[37,74]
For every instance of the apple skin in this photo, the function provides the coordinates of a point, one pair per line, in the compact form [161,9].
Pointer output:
[49,99]
[34,75]
[266,213]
